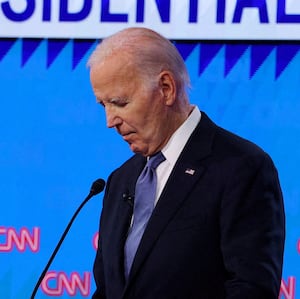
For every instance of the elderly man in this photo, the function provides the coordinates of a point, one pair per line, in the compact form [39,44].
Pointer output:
[197,212]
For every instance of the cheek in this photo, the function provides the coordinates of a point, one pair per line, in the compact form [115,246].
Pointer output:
[145,116]
[138,120]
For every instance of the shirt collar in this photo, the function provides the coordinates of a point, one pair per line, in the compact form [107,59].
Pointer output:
[180,137]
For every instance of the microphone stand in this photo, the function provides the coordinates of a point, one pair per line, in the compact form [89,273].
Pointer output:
[98,187]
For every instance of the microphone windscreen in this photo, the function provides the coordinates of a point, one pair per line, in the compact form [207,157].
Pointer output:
[97,186]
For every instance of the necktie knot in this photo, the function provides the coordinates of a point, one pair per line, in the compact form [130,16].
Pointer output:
[155,160]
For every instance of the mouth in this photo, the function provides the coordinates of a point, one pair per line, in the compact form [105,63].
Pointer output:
[126,136]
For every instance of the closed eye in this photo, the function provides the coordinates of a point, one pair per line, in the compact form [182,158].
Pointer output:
[119,102]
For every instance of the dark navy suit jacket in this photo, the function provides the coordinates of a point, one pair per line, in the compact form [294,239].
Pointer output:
[216,232]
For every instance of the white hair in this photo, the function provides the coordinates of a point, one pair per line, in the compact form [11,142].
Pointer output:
[151,53]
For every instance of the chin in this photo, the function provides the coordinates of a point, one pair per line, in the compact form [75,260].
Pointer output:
[138,150]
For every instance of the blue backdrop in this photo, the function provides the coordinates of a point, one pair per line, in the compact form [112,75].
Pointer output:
[54,143]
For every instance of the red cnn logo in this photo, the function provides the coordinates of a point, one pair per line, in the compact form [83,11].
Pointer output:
[55,283]
[20,240]
[287,290]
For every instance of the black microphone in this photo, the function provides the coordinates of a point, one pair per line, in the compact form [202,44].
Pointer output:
[96,188]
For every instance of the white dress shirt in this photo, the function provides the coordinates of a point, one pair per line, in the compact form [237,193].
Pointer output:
[173,149]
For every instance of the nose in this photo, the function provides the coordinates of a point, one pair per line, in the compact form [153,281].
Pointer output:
[112,118]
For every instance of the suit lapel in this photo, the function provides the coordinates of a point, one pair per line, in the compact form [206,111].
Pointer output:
[122,219]
[186,173]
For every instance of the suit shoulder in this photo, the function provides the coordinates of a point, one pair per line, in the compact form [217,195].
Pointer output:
[235,143]
[232,147]
[228,144]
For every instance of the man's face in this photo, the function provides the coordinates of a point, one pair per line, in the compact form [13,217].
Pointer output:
[133,107]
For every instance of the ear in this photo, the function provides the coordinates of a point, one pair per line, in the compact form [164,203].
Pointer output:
[167,87]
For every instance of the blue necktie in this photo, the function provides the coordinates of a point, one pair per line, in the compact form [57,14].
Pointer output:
[145,191]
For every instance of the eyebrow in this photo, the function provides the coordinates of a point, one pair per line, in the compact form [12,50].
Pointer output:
[113,100]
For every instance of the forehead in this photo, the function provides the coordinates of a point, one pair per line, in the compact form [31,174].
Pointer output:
[114,65]
[118,64]
[113,77]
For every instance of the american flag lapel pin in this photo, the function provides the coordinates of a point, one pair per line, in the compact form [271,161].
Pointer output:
[190,171]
